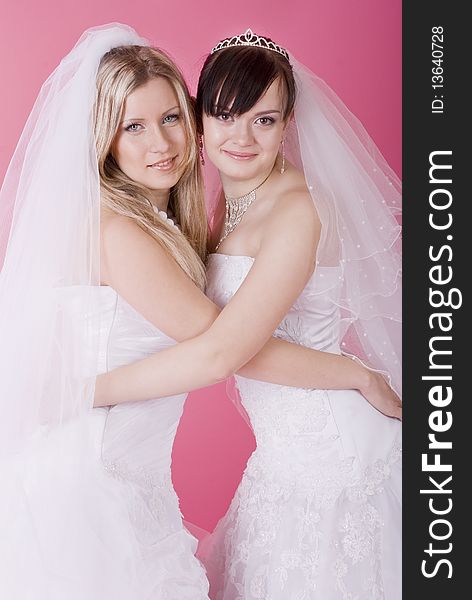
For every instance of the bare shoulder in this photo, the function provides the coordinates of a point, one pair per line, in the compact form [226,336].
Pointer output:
[125,246]
[114,226]
[293,204]
[123,233]
[298,202]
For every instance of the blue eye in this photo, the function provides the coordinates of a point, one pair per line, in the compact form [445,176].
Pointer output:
[133,127]
[170,118]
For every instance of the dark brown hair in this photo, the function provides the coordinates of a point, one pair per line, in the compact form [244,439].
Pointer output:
[234,79]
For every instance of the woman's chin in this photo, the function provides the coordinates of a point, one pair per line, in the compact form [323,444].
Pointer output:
[240,172]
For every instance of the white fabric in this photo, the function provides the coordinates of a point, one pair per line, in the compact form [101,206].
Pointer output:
[317,515]
[107,524]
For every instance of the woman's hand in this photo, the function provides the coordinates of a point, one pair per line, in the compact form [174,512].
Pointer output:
[382,397]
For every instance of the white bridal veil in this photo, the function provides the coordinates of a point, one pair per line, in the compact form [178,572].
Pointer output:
[51,197]
[357,196]
[49,344]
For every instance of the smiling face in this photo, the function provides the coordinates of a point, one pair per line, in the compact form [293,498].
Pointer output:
[244,147]
[150,142]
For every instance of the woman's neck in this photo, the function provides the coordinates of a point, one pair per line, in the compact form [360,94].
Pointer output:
[235,188]
[160,199]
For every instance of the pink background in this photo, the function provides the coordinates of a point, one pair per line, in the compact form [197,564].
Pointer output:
[355,45]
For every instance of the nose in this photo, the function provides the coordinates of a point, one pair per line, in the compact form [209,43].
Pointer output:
[243,133]
[158,140]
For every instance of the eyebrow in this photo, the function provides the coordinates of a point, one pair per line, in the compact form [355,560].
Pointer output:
[266,112]
[173,108]
[258,114]
[143,119]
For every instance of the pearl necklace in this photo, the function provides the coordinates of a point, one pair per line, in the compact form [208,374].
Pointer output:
[164,216]
[236,208]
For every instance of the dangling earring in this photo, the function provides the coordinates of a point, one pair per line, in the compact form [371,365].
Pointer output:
[282,168]
[200,146]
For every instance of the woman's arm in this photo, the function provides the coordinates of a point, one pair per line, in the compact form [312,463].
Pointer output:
[300,365]
[307,368]
[178,308]
[242,328]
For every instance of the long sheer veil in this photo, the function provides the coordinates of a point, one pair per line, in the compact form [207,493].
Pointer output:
[358,197]
[49,234]
[50,329]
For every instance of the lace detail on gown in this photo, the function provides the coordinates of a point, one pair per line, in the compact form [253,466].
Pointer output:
[316,515]
[154,489]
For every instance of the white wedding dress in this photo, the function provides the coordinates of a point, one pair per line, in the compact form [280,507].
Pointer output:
[88,511]
[317,515]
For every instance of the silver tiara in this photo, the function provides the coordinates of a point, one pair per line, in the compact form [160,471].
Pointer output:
[250,39]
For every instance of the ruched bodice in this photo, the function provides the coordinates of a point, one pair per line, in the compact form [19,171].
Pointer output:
[127,335]
[151,425]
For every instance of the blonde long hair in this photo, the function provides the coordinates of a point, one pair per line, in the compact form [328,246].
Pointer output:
[121,71]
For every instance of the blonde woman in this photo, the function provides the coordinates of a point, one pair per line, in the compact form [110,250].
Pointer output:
[88,510]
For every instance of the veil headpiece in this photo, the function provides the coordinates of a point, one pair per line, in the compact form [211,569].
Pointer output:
[248,38]
[358,199]
[49,232]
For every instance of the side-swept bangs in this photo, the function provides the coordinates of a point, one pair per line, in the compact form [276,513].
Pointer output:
[234,79]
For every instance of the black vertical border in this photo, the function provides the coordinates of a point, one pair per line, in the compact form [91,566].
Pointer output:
[423,133]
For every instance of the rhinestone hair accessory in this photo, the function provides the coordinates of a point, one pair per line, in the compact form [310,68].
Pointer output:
[250,39]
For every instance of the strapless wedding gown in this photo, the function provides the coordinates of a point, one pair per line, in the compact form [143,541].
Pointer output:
[97,517]
[317,515]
